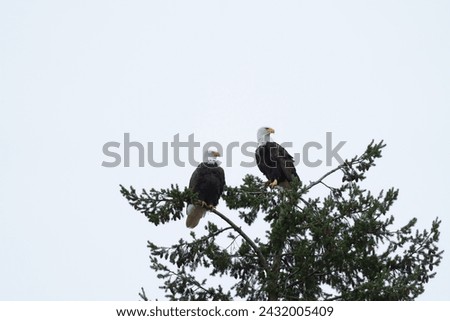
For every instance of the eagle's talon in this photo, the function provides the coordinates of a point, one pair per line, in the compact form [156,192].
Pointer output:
[273,184]
[202,204]
[206,205]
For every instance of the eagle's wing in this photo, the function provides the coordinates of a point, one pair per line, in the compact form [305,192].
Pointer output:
[194,178]
[194,212]
[221,174]
[285,162]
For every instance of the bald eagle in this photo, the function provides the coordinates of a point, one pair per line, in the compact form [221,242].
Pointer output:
[208,181]
[273,160]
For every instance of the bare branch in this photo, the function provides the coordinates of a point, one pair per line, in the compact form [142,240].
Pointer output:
[323,177]
[257,250]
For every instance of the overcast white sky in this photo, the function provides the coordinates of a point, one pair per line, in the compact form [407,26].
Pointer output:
[77,74]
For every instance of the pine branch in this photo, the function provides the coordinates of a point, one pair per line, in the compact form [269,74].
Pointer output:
[143,295]
[363,164]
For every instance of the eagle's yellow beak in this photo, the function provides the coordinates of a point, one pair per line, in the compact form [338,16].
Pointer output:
[271,130]
[216,154]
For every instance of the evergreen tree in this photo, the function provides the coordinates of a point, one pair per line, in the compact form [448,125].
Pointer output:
[341,246]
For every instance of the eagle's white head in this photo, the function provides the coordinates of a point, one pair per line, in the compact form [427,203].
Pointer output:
[210,156]
[263,135]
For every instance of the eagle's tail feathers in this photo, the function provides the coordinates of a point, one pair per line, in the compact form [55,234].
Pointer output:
[194,214]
